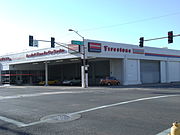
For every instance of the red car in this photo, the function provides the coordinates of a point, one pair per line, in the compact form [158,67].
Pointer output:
[109,81]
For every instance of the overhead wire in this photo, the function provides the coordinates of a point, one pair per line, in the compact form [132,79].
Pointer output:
[125,23]
[131,22]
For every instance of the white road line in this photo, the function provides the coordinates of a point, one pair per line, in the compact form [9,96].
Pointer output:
[165,132]
[121,103]
[20,124]
[104,106]
[17,123]
[40,94]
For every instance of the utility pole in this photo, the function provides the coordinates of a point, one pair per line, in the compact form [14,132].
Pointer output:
[84,68]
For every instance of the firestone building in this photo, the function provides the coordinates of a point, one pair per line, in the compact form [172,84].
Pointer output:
[130,64]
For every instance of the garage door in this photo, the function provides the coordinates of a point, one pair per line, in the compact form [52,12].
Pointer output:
[173,71]
[150,71]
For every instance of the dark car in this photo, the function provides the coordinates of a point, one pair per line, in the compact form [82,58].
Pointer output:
[109,81]
[71,82]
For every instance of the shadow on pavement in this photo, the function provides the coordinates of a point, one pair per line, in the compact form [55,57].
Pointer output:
[13,131]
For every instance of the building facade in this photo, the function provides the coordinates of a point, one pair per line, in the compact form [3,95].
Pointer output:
[128,63]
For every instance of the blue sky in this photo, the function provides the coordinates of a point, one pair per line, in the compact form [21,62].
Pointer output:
[122,21]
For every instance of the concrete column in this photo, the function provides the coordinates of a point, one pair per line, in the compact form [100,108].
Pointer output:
[46,73]
[167,64]
[0,75]
[86,75]
[163,71]
[0,78]
[125,71]
[30,81]
[82,76]
[138,72]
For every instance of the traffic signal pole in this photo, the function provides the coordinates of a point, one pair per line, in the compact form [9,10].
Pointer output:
[170,38]
[155,39]
[84,67]
[161,38]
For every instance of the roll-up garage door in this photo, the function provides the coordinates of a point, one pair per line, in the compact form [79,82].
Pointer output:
[150,71]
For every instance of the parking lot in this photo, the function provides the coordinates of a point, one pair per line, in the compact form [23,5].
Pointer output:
[130,110]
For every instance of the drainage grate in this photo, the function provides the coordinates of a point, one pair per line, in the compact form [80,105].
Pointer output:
[55,118]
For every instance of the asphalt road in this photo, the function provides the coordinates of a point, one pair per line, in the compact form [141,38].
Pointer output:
[132,110]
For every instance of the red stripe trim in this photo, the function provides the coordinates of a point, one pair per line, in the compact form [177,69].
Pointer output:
[138,52]
[94,43]
[94,47]
[14,74]
[165,55]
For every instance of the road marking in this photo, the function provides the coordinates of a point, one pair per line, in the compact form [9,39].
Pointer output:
[17,123]
[20,124]
[121,103]
[165,132]
[40,94]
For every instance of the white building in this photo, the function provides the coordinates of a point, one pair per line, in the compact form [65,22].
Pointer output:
[128,63]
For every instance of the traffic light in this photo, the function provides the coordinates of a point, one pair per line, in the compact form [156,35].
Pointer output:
[30,40]
[52,42]
[141,42]
[170,37]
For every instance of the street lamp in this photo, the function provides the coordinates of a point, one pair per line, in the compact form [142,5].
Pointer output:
[84,73]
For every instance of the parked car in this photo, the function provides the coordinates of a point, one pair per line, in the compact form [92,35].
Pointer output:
[109,81]
[53,82]
[75,81]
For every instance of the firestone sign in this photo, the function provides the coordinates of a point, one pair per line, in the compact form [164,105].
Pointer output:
[96,47]
[115,49]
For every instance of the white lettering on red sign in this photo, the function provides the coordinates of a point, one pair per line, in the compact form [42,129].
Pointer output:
[45,53]
[5,59]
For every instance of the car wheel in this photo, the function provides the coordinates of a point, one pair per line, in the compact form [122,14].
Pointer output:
[118,83]
[108,83]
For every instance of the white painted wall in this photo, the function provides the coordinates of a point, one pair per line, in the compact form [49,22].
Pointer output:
[28,67]
[173,71]
[131,71]
[5,67]
[163,74]
[0,71]
[124,65]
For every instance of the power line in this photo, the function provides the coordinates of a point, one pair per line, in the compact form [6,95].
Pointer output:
[132,22]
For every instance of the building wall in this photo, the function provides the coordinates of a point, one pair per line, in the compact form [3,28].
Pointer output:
[0,71]
[32,66]
[163,71]
[124,60]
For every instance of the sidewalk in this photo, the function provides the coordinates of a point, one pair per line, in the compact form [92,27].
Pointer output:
[155,85]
